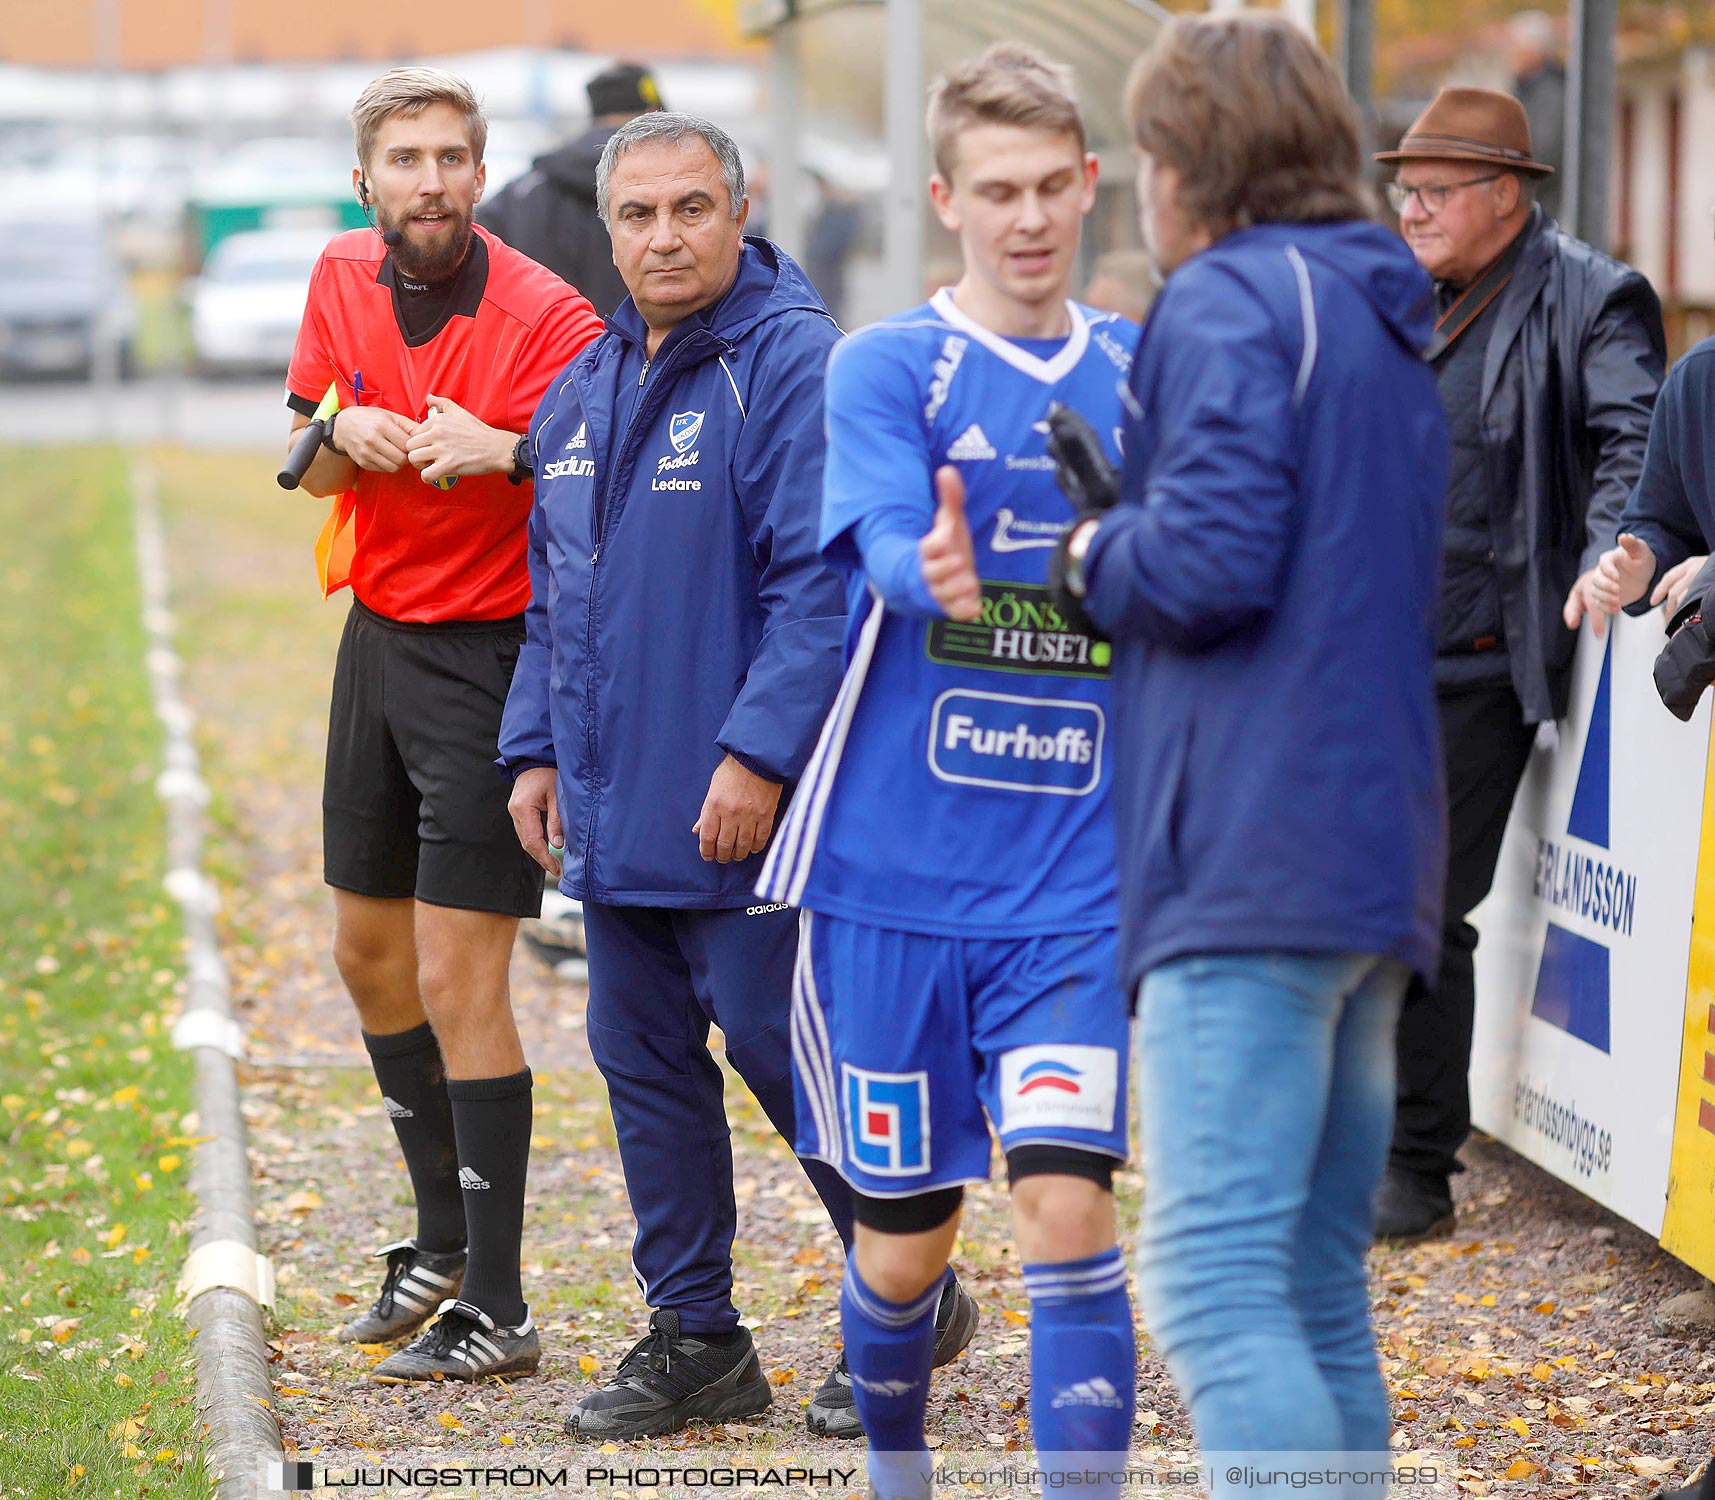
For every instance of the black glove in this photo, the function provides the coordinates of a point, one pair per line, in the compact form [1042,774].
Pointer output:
[1089,481]
[1686,665]
[1081,468]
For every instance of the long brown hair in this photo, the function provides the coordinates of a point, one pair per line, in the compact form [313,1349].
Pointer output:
[1253,118]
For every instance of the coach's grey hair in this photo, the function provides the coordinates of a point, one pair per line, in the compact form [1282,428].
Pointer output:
[671,126]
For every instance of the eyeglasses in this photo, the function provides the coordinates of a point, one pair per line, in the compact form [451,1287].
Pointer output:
[1431,199]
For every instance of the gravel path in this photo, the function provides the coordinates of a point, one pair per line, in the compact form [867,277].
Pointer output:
[1522,1352]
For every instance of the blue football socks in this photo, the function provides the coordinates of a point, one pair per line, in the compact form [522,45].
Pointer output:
[889,1346]
[1083,1366]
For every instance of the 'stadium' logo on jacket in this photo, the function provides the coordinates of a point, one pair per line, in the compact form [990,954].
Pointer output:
[1019,630]
[571,468]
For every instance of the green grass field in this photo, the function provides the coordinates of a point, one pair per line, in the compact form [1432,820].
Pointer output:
[96,1380]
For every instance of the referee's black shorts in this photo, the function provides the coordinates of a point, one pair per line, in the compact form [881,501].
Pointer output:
[413,803]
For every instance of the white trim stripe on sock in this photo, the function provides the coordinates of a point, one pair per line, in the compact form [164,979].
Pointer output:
[888,1314]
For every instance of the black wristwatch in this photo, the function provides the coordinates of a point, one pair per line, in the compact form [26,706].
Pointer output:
[521,468]
[327,436]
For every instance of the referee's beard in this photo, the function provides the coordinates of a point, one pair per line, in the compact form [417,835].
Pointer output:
[429,258]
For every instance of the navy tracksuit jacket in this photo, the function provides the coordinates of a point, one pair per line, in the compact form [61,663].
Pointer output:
[682,613]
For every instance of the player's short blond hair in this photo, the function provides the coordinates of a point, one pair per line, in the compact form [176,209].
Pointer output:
[1006,84]
[410,91]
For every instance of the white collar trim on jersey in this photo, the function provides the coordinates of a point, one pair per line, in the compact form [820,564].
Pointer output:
[1048,371]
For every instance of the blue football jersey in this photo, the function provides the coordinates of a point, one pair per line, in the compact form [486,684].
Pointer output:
[961,783]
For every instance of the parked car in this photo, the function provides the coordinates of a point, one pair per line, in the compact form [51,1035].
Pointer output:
[61,290]
[249,300]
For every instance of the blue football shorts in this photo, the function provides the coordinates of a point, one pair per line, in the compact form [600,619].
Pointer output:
[906,1046]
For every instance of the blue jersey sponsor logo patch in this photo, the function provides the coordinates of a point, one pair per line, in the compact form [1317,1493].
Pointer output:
[887,1121]
[1017,744]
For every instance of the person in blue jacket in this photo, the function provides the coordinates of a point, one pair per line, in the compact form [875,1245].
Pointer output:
[1268,581]
[683,647]
[1668,526]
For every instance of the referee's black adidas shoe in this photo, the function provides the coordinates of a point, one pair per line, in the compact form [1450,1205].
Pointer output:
[417,1282]
[832,1412]
[464,1343]
[670,1379]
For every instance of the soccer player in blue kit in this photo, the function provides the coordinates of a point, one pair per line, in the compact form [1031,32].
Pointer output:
[951,841]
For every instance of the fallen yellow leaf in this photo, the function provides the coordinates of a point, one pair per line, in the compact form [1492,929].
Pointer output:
[782,1377]
[165,1456]
[1486,1300]
[1017,1319]
[449,1421]
[506,1440]
[302,1202]
[1520,1468]
[1519,1425]
[126,1094]
[113,1236]
[1545,1307]
[588,1364]
[171,1163]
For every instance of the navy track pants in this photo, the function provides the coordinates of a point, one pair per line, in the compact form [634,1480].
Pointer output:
[658,977]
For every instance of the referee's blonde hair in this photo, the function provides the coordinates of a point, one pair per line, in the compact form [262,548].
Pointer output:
[410,91]
[1008,83]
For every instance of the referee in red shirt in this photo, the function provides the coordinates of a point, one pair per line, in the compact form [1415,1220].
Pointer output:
[440,341]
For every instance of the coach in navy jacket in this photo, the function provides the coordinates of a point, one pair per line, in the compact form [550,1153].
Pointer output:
[683,648]
[681,611]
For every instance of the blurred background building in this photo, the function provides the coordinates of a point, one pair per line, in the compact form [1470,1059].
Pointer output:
[193,154]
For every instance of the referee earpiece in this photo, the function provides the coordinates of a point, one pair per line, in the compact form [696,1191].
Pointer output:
[363,191]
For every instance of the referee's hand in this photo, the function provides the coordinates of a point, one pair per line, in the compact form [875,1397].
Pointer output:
[535,809]
[373,438]
[449,440]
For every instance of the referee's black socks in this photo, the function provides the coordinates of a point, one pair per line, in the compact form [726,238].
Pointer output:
[414,1093]
[491,1117]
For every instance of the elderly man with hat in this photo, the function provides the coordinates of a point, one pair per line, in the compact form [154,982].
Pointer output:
[1548,356]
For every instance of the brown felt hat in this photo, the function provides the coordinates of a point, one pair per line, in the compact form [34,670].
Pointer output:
[1471,125]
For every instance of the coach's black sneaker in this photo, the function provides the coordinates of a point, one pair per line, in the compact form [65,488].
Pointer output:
[670,1379]
[464,1343]
[1411,1208]
[417,1282]
[832,1412]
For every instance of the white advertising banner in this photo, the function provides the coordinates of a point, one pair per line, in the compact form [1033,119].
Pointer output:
[1585,938]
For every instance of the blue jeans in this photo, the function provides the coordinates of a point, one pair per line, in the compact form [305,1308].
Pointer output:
[1266,1091]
